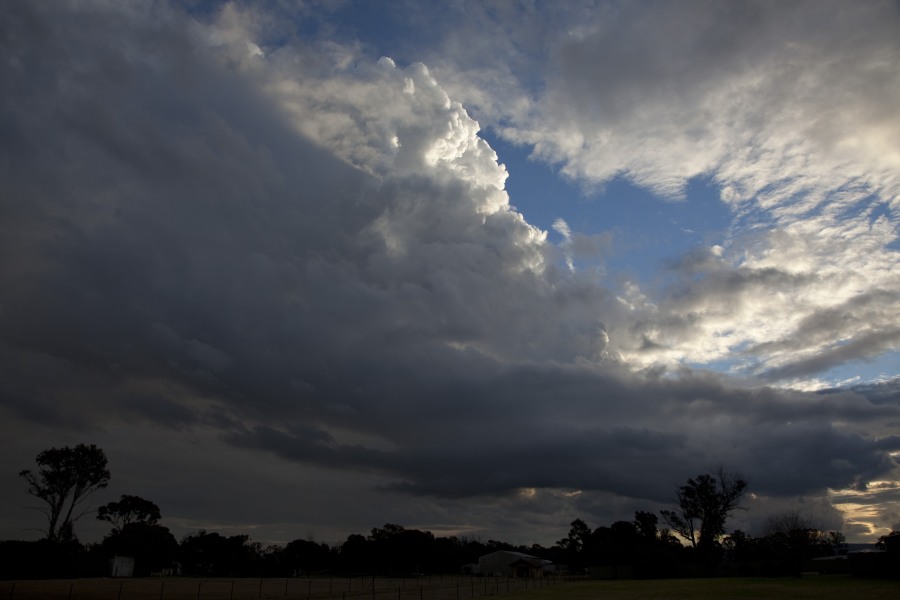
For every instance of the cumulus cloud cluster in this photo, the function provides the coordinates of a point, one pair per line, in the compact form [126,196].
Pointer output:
[788,109]
[300,261]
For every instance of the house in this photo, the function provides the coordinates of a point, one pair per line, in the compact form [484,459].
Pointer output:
[505,563]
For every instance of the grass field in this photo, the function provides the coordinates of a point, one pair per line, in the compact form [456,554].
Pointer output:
[814,586]
[452,588]
[299,588]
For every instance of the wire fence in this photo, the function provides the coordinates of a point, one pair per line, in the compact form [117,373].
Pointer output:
[364,587]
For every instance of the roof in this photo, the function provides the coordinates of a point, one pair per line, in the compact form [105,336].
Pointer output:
[509,552]
[531,561]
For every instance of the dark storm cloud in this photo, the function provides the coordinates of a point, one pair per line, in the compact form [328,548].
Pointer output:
[882,392]
[845,331]
[161,410]
[863,346]
[519,431]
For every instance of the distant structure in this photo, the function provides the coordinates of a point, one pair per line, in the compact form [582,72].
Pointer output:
[878,563]
[505,563]
[121,566]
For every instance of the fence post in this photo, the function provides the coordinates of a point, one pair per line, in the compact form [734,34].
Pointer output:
[162,589]
[199,585]
[121,585]
[71,585]
[260,587]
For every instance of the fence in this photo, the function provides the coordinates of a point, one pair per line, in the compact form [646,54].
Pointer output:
[308,588]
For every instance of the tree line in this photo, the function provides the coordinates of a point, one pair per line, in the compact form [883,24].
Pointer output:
[66,477]
[690,540]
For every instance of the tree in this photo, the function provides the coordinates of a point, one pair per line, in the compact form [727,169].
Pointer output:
[67,476]
[704,504]
[645,522]
[785,522]
[305,556]
[398,550]
[214,555]
[578,535]
[889,542]
[576,542]
[129,509]
[152,546]
[136,532]
[355,554]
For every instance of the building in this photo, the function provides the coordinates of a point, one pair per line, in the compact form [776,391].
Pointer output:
[505,563]
[121,566]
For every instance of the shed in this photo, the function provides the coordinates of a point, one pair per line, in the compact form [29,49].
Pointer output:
[506,563]
[528,567]
[121,566]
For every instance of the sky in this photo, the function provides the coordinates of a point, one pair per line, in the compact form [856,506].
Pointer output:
[302,269]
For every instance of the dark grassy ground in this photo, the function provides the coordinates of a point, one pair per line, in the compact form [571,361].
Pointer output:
[837,587]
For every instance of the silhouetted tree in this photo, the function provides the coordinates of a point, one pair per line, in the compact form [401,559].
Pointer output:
[136,533]
[212,554]
[838,542]
[577,537]
[576,544]
[891,540]
[785,522]
[450,553]
[305,556]
[129,509]
[646,522]
[354,554]
[790,538]
[704,504]
[41,559]
[67,476]
[398,550]
[153,546]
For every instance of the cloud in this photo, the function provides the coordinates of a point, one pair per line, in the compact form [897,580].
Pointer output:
[294,262]
[707,79]
[787,110]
